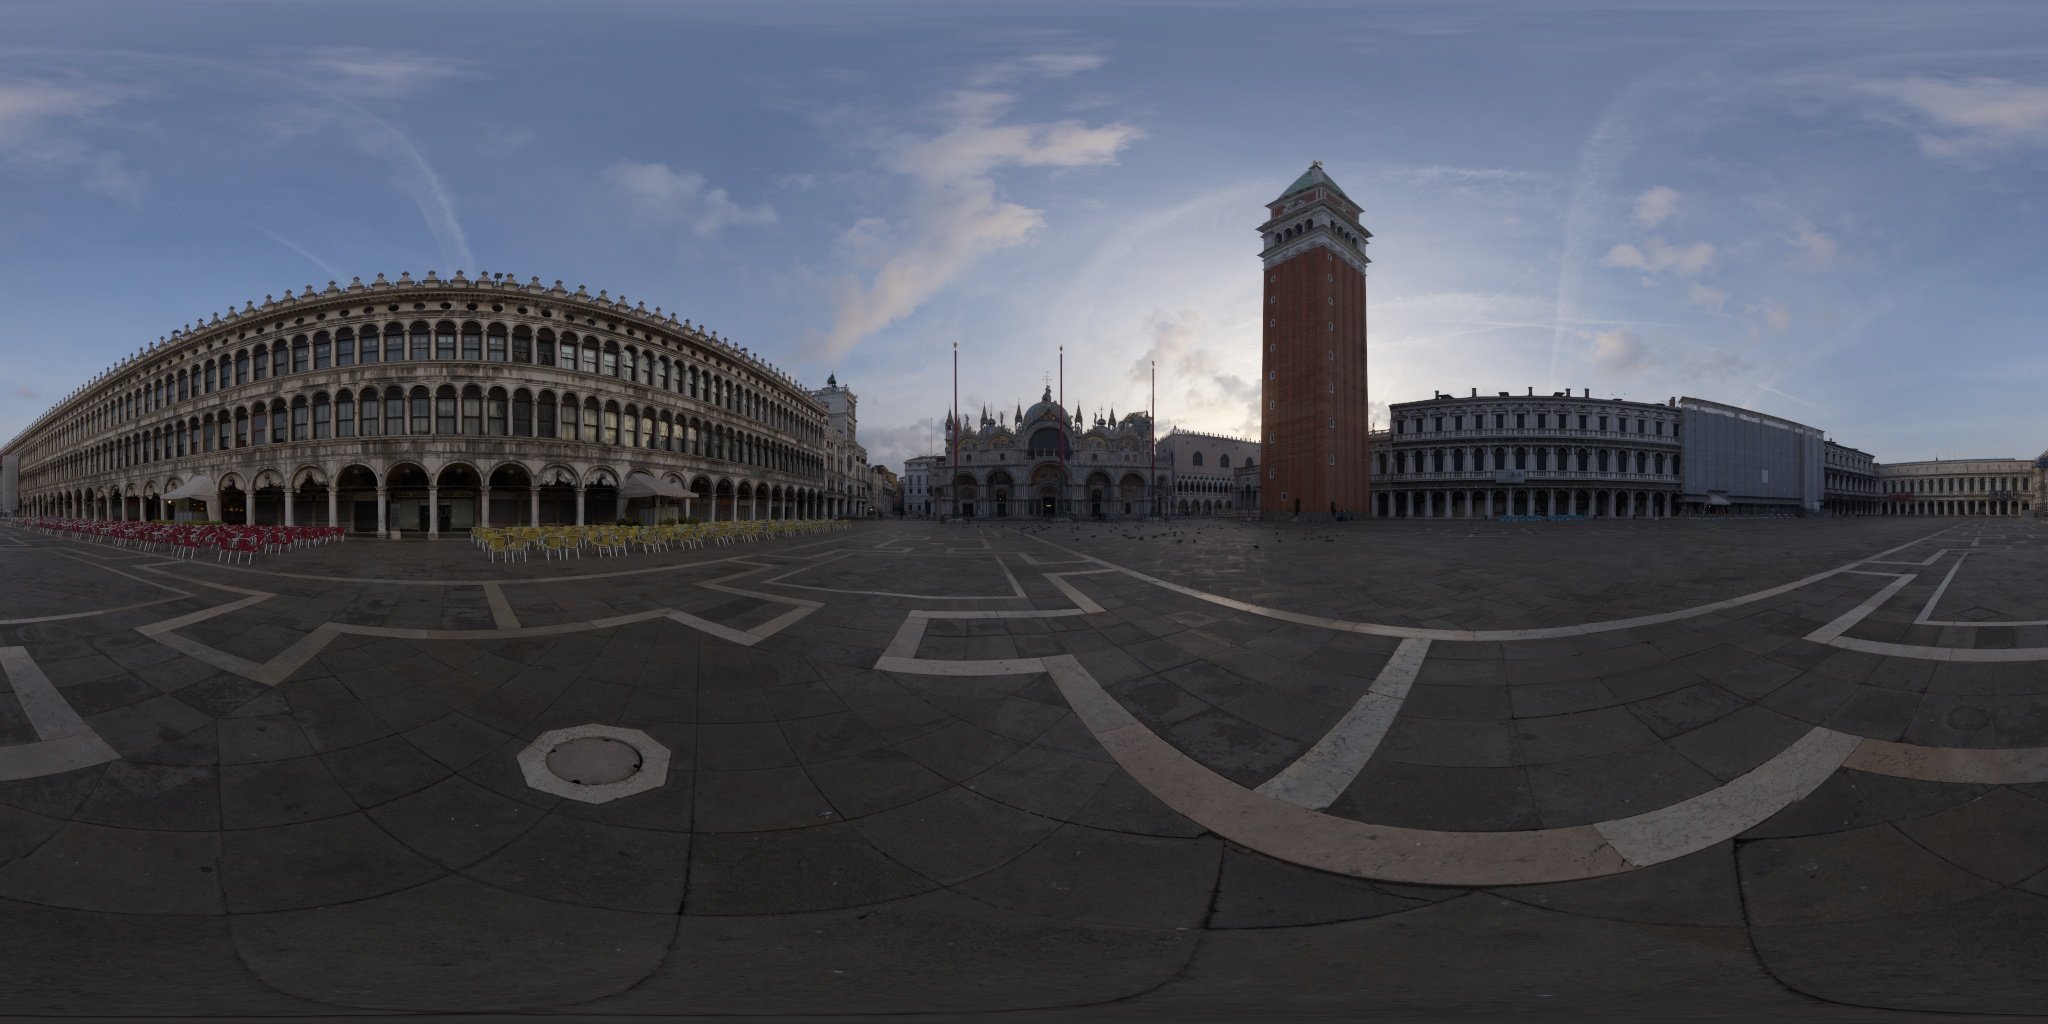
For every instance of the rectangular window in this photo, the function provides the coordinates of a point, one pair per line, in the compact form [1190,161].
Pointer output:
[472,343]
[568,361]
[547,419]
[242,368]
[323,355]
[546,351]
[494,348]
[277,428]
[299,358]
[611,426]
[1542,420]
[369,344]
[611,363]
[571,431]
[522,347]
[522,417]
[1521,420]
[373,412]
[299,423]
[589,359]
[444,342]
[277,361]
[422,413]
[345,416]
[394,344]
[1603,423]
[1582,422]
[320,414]
[444,414]
[184,387]
[472,414]
[242,432]
[495,413]
[422,343]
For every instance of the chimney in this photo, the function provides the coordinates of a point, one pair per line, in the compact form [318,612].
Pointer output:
[1589,392]
[1532,391]
[1475,392]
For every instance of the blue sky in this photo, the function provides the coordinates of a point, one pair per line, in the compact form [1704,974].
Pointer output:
[1834,213]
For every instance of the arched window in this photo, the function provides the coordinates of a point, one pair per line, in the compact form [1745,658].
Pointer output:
[323,351]
[372,413]
[495,349]
[611,422]
[278,424]
[572,424]
[242,428]
[544,346]
[422,411]
[590,355]
[369,343]
[321,432]
[299,353]
[1223,460]
[344,347]
[547,409]
[242,367]
[522,413]
[611,360]
[592,421]
[394,343]
[472,341]
[496,421]
[278,356]
[394,411]
[1195,460]
[522,344]
[422,342]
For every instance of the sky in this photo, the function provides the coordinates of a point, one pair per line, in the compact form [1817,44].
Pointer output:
[1834,213]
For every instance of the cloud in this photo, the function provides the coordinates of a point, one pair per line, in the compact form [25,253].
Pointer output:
[1699,296]
[1777,316]
[1655,206]
[23,392]
[1048,65]
[382,74]
[1810,248]
[1197,386]
[1619,352]
[1962,118]
[31,113]
[1657,255]
[662,195]
[954,213]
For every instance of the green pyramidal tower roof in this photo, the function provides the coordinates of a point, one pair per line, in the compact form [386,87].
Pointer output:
[1311,178]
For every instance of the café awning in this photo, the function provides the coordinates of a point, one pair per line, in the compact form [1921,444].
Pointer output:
[641,485]
[200,486]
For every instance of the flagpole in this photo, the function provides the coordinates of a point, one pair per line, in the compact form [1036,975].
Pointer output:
[1059,504]
[952,486]
[1152,437]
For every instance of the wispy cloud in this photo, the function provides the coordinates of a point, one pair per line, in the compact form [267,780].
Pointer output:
[1657,255]
[1811,249]
[1963,118]
[1184,343]
[659,194]
[382,74]
[1655,206]
[38,135]
[954,212]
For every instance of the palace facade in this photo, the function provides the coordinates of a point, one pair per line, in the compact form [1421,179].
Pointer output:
[1964,487]
[436,404]
[1047,462]
[1556,454]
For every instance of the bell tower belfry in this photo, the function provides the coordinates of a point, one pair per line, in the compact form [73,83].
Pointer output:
[1314,429]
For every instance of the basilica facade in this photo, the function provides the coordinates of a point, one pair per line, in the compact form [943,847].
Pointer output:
[1045,462]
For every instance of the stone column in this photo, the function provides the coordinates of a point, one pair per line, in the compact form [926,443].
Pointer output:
[483,506]
[333,503]
[291,496]
[579,504]
[433,510]
[620,512]
[383,512]
[533,514]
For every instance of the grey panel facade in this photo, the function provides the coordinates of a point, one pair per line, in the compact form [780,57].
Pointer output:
[10,485]
[1737,457]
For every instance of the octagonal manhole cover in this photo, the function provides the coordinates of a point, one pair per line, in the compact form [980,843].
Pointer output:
[594,763]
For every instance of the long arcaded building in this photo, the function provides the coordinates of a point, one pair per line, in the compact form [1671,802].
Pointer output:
[432,405]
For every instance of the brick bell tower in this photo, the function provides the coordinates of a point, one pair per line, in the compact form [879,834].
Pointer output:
[1312,402]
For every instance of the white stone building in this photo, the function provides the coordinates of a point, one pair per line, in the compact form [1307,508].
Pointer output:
[432,405]
[1046,462]
[1962,487]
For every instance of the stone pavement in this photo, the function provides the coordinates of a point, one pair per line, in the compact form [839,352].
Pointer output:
[1792,767]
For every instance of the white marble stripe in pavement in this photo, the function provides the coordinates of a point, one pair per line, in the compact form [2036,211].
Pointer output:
[66,742]
[1979,765]
[1694,824]
[501,609]
[1844,621]
[45,707]
[1538,633]
[1317,778]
